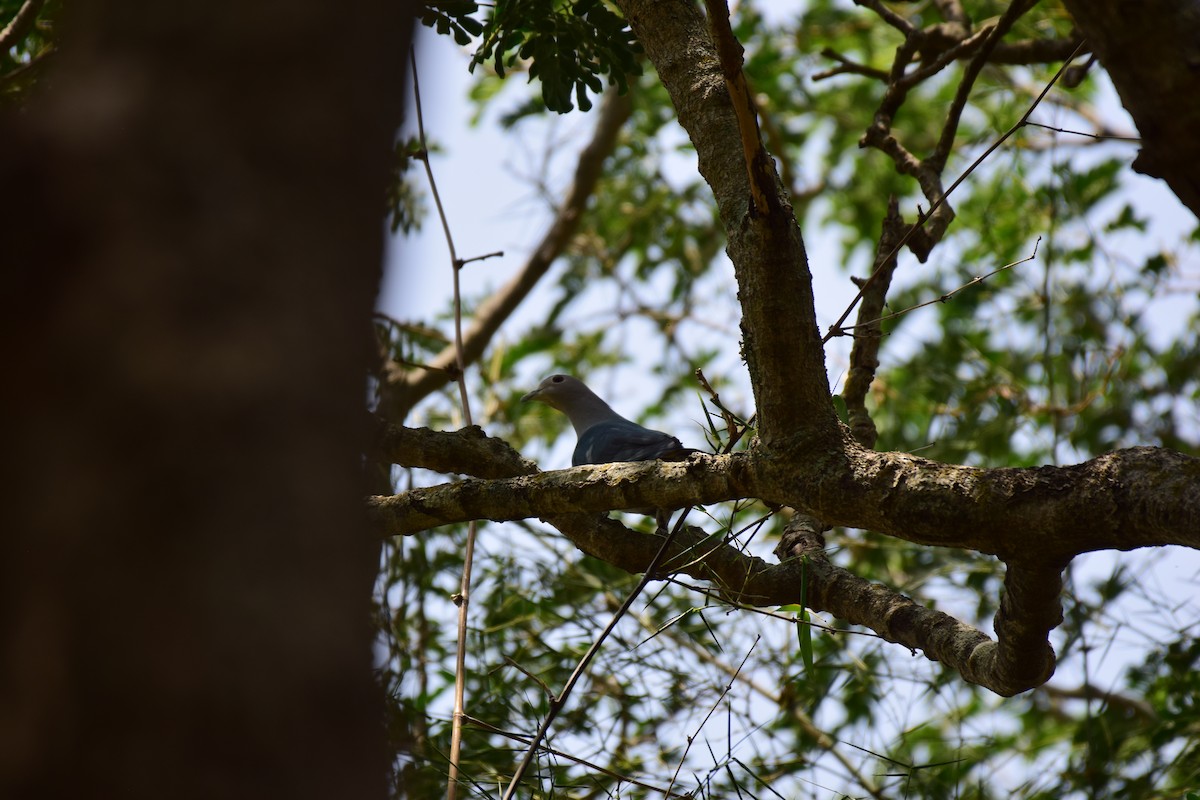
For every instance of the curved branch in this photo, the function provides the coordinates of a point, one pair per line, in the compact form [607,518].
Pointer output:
[1034,518]
[403,388]
[1014,663]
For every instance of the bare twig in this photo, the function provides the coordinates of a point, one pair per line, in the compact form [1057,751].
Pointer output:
[525,740]
[847,67]
[978,279]
[1097,136]
[822,739]
[836,328]
[464,594]
[724,691]
[890,17]
[558,703]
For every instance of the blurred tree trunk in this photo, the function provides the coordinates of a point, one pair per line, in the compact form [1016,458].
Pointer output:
[192,241]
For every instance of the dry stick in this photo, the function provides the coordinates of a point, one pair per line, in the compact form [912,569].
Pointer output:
[21,24]
[836,329]
[464,592]
[558,703]
[948,295]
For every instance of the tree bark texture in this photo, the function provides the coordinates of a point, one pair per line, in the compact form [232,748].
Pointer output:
[1151,51]
[192,242]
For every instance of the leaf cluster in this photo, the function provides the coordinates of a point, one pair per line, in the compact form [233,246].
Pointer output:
[567,44]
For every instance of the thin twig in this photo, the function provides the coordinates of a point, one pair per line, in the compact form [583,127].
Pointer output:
[724,691]
[819,737]
[464,594]
[405,390]
[846,66]
[943,298]
[558,703]
[525,740]
[836,328]
[1097,136]
[890,17]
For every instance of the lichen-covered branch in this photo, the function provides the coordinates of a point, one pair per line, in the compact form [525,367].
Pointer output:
[592,487]
[1039,517]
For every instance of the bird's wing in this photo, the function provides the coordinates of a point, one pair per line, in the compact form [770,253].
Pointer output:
[622,440]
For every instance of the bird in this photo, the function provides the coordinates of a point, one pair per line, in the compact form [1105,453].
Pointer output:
[604,436]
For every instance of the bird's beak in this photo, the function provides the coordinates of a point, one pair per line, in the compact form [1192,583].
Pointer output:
[534,395]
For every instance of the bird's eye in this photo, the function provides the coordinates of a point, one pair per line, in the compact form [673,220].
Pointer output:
[557,379]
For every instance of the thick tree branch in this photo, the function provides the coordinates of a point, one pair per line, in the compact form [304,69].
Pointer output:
[780,340]
[1152,52]
[402,387]
[592,487]
[1139,497]
[1035,516]
[20,25]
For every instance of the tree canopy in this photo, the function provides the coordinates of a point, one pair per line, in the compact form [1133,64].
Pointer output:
[910,478]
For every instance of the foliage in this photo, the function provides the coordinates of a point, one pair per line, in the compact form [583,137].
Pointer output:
[22,64]
[1054,360]
[566,44]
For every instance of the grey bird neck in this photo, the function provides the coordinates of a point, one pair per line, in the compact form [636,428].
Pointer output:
[587,410]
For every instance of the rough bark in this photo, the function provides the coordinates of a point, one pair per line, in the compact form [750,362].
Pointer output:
[1151,51]
[1037,516]
[780,339]
[192,233]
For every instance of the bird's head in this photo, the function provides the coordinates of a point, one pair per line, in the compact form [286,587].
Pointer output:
[559,391]
[572,397]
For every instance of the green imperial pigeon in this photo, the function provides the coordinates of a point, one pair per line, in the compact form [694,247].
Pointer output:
[604,435]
